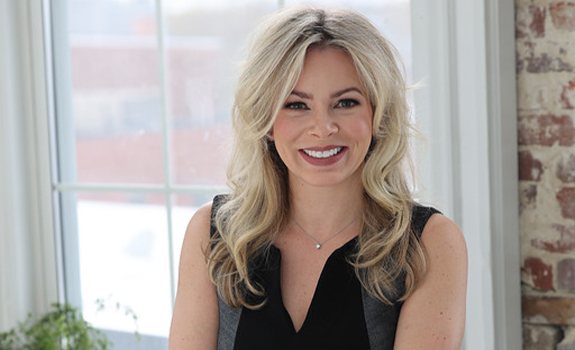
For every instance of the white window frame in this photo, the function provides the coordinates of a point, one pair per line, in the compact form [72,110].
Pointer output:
[468,48]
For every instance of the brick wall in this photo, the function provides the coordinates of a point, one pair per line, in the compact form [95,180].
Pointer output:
[545,41]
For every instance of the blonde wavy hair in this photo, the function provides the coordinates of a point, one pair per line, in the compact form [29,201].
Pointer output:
[258,206]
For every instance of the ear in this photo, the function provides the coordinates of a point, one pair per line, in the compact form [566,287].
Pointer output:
[270,135]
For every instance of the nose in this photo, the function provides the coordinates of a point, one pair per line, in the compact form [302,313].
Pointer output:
[324,124]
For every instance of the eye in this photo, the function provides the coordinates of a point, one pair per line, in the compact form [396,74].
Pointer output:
[295,105]
[347,103]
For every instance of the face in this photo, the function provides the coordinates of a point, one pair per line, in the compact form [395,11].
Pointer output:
[324,128]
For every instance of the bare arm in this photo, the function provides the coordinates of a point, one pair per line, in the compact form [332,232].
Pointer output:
[433,317]
[195,318]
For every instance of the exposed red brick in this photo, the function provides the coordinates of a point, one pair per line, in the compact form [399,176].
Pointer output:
[566,168]
[567,95]
[538,274]
[522,16]
[549,310]
[537,337]
[563,15]
[531,193]
[566,199]
[546,130]
[519,33]
[530,169]
[565,243]
[568,341]
[566,274]
[519,65]
[544,63]
[537,24]
[527,197]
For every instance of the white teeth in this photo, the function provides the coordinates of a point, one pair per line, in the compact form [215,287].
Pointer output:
[323,154]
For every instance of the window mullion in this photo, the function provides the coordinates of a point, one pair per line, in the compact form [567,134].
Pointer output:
[167,149]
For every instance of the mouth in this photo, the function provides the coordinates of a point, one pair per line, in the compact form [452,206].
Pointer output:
[322,154]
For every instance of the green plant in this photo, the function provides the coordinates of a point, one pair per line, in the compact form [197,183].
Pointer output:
[62,328]
[111,303]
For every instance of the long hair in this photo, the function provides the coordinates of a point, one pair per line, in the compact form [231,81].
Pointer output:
[258,206]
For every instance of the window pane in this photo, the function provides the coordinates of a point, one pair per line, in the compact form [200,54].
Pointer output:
[123,260]
[114,125]
[204,47]
[119,260]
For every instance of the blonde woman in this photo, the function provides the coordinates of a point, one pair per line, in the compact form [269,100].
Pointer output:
[320,244]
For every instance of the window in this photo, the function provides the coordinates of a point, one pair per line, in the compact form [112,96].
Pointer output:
[462,49]
[144,92]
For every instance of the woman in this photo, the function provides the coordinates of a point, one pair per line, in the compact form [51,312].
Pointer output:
[320,244]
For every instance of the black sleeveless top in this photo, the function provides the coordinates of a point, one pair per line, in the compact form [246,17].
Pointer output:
[342,315]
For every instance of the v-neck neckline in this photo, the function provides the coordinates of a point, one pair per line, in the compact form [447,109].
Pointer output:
[313,303]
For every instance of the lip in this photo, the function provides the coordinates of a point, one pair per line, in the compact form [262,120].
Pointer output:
[323,161]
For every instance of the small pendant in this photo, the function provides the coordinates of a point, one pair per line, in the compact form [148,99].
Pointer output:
[317,246]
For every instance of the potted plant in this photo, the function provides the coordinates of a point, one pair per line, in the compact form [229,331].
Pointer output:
[61,328]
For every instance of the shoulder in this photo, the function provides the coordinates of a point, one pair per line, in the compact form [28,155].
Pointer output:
[433,316]
[195,315]
[434,227]
[199,231]
[420,215]
[202,215]
[444,244]
[196,238]
[201,226]
[200,222]
[441,235]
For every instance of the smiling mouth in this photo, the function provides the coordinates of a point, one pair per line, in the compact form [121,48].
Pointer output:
[323,154]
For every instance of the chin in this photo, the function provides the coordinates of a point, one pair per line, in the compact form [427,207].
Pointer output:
[329,180]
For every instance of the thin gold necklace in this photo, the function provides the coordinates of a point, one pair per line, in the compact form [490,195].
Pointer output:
[319,244]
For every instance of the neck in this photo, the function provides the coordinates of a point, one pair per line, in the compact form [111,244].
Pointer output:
[325,210]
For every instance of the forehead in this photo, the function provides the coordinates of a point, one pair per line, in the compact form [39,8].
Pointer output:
[328,66]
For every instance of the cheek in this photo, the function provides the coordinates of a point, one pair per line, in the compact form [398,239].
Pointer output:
[366,128]
[283,129]
[281,134]
[362,129]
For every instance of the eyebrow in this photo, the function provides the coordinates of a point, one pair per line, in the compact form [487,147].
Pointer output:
[335,94]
